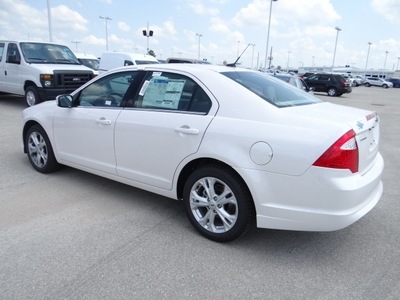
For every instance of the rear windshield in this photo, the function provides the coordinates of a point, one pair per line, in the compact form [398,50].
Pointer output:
[42,53]
[271,89]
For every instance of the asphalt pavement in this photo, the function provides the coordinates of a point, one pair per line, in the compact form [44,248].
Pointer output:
[73,235]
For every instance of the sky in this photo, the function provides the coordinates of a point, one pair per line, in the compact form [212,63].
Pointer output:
[302,32]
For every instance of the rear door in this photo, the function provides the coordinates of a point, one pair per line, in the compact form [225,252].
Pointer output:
[165,124]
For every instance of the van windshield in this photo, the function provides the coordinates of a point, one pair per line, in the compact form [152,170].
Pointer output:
[42,53]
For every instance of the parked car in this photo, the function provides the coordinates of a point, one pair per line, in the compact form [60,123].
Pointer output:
[358,79]
[239,147]
[395,81]
[332,84]
[307,74]
[89,60]
[375,81]
[296,81]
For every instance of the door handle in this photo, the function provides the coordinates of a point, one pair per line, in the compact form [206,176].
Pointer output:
[103,121]
[187,130]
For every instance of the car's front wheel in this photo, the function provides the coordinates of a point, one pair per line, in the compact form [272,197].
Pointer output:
[332,92]
[39,150]
[218,203]
[385,86]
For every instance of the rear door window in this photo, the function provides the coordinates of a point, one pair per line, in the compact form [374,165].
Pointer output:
[172,92]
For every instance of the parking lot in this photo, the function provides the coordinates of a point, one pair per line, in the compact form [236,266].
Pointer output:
[73,235]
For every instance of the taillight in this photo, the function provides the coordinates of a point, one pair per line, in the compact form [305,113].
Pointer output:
[343,154]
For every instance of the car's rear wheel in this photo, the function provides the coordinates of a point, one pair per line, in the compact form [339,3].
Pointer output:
[39,150]
[367,84]
[218,203]
[332,92]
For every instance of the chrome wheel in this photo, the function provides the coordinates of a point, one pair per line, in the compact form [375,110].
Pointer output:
[218,203]
[37,149]
[332,92]
[213,205]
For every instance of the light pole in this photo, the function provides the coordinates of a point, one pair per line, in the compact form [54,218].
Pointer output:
[105,21]
[147,33]
[384,65]
[76,45]
[334,52]
[238,49]
[312,64]
[49,18]
[288,57]
[252,55]
[198,48]
[398,63]
[269,26]
[366,63]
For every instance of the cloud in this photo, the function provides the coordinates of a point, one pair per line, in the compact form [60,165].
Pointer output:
[123,26]
[389,9]
[199,9]
[63,17]
[256,13]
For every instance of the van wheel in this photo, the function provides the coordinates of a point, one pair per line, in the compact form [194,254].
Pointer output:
[32,96]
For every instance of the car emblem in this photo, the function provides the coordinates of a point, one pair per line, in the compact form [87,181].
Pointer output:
[360,125]
[76,79]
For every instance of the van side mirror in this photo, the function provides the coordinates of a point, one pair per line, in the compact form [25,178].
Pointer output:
[64,100]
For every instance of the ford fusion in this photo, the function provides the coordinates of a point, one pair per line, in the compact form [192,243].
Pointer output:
[239,147]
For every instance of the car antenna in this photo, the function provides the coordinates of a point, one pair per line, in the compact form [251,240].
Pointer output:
[234,64]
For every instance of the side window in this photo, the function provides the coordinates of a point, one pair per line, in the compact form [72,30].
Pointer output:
[313,77]
[325,77]
[168,91]
[13,55]
[108,91]
[1,51]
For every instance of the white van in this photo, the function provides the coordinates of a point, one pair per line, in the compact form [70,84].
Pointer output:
[40,71]
[112,60]
[89,60]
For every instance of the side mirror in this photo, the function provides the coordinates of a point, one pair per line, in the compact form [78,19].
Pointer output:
[64,100]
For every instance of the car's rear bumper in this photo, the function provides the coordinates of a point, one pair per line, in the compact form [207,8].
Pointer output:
[316,201]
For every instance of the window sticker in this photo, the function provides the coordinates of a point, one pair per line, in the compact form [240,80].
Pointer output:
[144,88]
[162,92]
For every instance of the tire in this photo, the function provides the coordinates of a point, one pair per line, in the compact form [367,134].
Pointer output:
[218,203]
[385,86]
[332,92]
[367,84]
[40,151]
[32,96]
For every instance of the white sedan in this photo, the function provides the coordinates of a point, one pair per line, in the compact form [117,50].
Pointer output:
[239,147]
